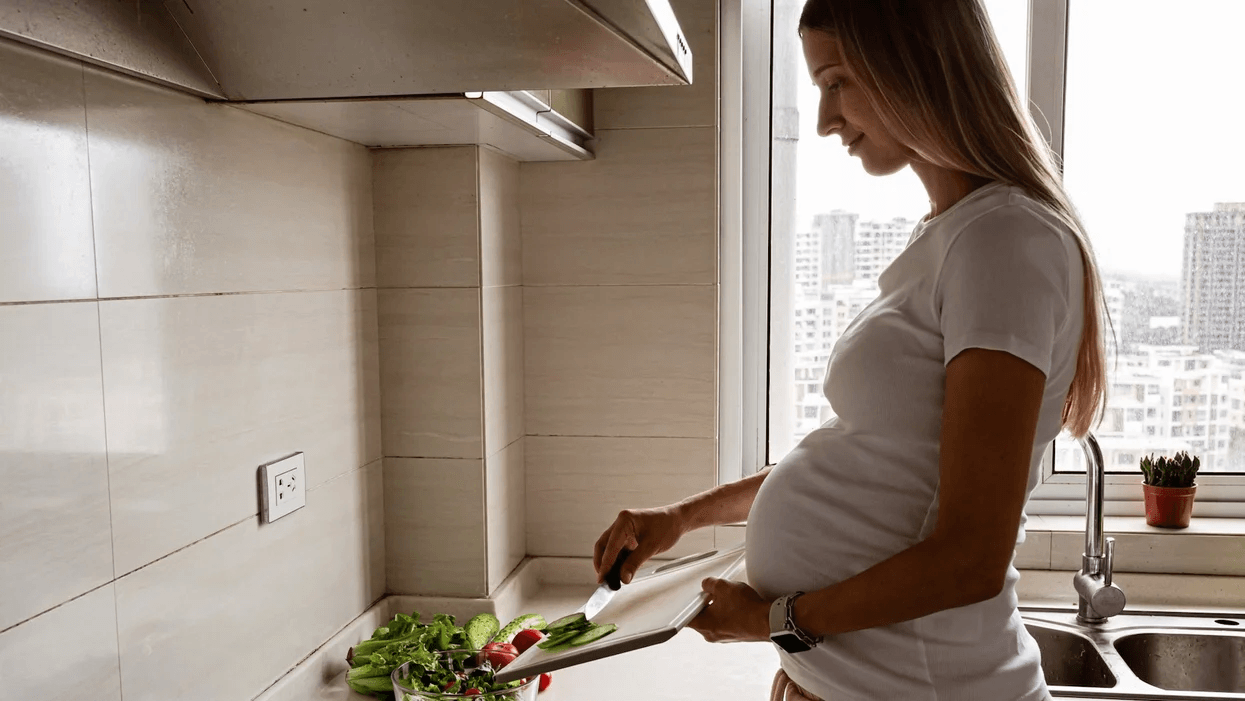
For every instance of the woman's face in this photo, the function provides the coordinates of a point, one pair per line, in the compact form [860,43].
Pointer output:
[844,110]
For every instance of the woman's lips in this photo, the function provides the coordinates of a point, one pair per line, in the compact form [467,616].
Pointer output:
[852,146]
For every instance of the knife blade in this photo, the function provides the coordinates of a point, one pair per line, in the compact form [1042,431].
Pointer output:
[604,593]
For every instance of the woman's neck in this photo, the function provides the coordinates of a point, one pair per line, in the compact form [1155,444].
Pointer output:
[945,187]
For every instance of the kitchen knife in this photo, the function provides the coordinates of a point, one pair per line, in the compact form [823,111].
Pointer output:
[613,582]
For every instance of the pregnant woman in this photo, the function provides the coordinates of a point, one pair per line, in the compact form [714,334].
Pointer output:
[879,552]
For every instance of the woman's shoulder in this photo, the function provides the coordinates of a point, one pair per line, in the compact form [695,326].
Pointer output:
[1006,214]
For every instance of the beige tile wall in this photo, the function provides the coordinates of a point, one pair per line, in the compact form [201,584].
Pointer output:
[186,292]
[451,349]
[620,309]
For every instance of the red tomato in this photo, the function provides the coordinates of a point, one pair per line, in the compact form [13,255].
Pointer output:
[472,692]
[527,638]
[545,680]
[500,654]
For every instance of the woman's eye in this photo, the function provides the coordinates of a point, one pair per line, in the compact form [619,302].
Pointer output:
[835,86]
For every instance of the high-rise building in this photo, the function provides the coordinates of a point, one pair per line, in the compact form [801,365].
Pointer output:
[837,232]
[878,243]
[1213,280]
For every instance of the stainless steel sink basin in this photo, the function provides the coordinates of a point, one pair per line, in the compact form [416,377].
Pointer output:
[1186,661]
[1069,659]
[1140,655]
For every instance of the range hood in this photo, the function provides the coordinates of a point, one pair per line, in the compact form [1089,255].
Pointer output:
[266,50]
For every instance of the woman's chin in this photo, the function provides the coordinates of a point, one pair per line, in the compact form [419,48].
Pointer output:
[881,167]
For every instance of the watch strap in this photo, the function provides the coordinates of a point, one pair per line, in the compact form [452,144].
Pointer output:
[786,604]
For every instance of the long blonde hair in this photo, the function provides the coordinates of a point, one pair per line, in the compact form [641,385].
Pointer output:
[934,73]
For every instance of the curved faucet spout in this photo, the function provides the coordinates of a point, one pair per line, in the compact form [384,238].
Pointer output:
[1099,598]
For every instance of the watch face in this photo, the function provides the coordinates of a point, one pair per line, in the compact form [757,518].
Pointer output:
[789,642]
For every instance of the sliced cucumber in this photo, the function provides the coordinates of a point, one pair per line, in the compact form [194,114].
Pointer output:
[558,638]
[527,620]
[480,629]
[594,633]
[575,619]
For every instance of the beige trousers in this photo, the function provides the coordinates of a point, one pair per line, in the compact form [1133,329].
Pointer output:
[785,690]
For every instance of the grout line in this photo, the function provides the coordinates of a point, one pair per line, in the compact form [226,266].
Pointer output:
[103,393]
[426,457]
[116,579]
[347,473]
[63,603]
[182,295]
[352,622]
[594,435]
[235,523]
[188,545]
[630,284]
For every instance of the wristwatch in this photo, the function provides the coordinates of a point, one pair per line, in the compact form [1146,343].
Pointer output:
[782,628]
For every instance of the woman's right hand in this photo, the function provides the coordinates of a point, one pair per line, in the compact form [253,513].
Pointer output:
[645,532]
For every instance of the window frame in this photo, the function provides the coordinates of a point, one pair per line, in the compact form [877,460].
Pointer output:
[746,63]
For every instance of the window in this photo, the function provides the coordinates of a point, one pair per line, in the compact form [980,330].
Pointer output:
[862,222]
[1171,279]
[1087,63]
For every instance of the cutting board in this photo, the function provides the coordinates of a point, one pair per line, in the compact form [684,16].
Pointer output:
[658,602]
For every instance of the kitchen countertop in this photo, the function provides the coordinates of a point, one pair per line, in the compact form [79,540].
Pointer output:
[686,667]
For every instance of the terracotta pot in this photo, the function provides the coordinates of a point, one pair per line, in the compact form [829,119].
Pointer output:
[1169,507]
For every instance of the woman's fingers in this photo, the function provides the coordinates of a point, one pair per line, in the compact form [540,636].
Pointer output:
[620,535]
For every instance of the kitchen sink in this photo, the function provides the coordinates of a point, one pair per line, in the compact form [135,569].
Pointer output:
[1141,655]
[1069,659]
[1186,661]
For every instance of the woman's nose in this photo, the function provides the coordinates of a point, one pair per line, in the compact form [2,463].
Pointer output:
[828,120]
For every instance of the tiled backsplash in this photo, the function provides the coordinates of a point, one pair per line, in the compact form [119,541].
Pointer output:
[186,292]
[451,355]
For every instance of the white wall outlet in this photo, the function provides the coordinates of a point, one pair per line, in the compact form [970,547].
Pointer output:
[283,487]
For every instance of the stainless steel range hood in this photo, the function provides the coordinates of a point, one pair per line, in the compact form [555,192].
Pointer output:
[249,50]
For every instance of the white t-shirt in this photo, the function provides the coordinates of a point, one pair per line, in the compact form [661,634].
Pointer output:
[998,271]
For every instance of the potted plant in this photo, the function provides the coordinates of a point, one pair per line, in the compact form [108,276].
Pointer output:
[1169,489]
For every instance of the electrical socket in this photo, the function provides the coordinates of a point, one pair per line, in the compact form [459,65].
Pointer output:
[283,487]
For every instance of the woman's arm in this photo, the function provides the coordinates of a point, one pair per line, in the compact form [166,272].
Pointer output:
[990,415]
[647,532]
[727,503]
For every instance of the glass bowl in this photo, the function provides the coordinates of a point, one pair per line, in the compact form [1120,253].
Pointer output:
[464,662]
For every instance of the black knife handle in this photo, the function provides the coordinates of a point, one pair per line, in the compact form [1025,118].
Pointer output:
[614,577]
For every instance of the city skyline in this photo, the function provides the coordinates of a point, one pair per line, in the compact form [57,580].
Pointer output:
[1136,160]
[1165,394]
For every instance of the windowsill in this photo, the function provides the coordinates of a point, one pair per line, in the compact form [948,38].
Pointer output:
[1209,546]
[1199,525]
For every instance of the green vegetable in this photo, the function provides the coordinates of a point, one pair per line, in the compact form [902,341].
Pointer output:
[575,619]
[595,633]
[481,629]
[438,653]
[527,620]
[575,630]
[1178,471]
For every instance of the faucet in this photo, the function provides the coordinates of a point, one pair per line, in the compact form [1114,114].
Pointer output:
[1099,598]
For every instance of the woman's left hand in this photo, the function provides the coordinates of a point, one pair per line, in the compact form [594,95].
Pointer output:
[735,613]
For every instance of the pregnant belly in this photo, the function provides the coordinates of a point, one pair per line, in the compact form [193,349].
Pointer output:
[818,520]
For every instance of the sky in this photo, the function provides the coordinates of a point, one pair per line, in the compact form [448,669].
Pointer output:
[1153,127]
